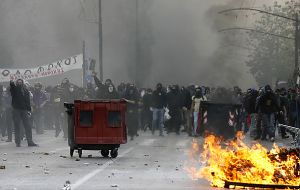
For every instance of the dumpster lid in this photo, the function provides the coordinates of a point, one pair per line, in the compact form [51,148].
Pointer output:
[101,100]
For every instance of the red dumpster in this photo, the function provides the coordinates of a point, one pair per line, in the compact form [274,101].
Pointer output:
[96,125]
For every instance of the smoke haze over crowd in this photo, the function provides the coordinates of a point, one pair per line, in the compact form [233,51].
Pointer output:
[178,41]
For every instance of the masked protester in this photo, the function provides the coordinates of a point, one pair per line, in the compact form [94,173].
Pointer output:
[131,96]
[39,101]
[8,119]
[106,90]
[122,90]
[196,109]
[159,102]
[268,105]
[48,111]
[175,104]
[281,116]
[67,92]
[90,92]
[21,111]
[146,111]
[58,115]
[187,104]
[112,92]
[249,105]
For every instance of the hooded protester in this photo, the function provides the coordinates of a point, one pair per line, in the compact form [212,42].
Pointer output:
[67,93]
[106,90]
[48,111]
[268,105]
[146,111]
[21,111]
[281,116]
[175,104]
[122,90]
[159,102]
[56,102]
[39,101]
[187,104]
[111,92]
[8,119]
[89,91]
[249,105]
[131,97]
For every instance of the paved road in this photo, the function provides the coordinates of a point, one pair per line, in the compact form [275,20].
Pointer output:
[148,162]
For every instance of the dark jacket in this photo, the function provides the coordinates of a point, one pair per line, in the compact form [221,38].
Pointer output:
[267,103]
[159,99]
[249,102]
[187,99]
[147,100]
[175,100]
[20,97]
[112,95]
[39,98]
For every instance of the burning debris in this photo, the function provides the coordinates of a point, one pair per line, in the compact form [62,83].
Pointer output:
[221,163]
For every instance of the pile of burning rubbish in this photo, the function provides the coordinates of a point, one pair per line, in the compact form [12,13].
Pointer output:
[234,163]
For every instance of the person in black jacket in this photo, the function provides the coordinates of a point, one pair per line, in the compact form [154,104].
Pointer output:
[249,105]
[21,111]
[187,113]
[146,111]
[282,115]
[106,90]
[268,105]
[175,104]
[159,101]
[131,97]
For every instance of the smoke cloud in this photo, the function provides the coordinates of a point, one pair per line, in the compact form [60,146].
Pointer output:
[177,41]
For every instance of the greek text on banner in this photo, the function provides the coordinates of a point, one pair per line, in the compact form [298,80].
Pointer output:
[52,69]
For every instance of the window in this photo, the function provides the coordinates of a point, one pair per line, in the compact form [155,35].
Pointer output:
[114,119]
[86,118]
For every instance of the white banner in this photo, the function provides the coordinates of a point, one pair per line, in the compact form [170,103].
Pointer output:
[57,68]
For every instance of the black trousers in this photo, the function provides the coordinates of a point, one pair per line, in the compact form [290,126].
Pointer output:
[22,116]
[132,122]
[38,120]
[9,123]
[2,123]
[175,120]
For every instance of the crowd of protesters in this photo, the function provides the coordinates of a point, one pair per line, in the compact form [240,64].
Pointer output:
[165,108]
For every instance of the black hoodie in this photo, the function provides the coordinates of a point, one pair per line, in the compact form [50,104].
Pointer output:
[20,97]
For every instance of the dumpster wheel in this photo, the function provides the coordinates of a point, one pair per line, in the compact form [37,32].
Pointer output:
[71,152]
[114,153]
[105,153]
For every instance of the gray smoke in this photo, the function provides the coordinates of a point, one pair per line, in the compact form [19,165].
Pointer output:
[178,40]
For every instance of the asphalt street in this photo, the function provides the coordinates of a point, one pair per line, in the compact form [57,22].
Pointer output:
[148,162]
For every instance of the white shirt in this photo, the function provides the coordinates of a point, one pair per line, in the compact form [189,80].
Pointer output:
[197,102]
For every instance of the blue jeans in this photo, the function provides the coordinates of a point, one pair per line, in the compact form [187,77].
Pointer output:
[253,128]
[268,125]
[158,120]
[196,114]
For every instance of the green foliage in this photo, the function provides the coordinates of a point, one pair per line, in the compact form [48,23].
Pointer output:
[273,57]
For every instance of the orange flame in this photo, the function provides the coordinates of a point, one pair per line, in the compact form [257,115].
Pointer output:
[237,162]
